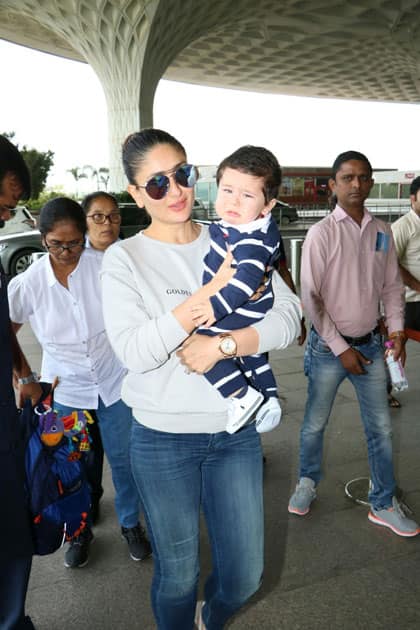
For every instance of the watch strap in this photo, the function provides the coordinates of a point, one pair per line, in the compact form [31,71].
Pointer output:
[31,378]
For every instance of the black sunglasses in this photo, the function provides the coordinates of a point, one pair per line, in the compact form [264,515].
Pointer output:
[158,185]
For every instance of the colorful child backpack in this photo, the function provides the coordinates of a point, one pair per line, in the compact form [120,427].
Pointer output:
[57,490]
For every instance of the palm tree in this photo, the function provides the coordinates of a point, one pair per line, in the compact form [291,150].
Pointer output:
[91,172]
[78,173]
[98,175]
[103,174]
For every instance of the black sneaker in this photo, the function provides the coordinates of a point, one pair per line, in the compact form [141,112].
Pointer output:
[138,545]
[77,555]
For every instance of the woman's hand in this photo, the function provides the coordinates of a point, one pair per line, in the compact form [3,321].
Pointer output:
[184,313]
[30,390]
[199,353]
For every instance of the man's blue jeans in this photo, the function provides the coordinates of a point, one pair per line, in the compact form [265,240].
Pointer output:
[178,473]
[115,428]
[325,372]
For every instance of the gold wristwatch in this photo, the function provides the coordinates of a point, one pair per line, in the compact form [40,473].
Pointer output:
[228,346]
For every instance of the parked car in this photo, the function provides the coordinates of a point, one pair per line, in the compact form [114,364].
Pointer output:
[21,221]
[133,219]
[16,250]
[284,214]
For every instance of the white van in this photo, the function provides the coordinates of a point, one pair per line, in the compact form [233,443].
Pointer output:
[21,220]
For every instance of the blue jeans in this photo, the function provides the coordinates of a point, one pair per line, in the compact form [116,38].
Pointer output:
[178,473]
[14,578]
[115,427]
[325,372]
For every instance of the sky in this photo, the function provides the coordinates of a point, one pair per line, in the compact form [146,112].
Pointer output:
[57,104]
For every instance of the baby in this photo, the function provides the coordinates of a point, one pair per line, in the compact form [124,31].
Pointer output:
[248,183]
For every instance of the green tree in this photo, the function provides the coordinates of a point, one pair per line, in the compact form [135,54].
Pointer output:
[39,164]
[35,205]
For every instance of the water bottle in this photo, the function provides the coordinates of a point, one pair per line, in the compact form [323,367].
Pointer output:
[395,368]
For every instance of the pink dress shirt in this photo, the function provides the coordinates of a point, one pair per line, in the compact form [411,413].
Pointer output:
[346,272]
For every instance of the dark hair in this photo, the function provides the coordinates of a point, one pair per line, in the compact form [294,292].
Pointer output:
[346,157]
[89,199]
[415,186]
[11,161]
[138,144]
[61,209]
[255,161]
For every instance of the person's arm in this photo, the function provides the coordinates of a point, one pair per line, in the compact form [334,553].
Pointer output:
[253,253]
[190,313]
[286,276]
[408,279]
[142,342]
[393,300]
[22,370]
[251,265]
[277,330]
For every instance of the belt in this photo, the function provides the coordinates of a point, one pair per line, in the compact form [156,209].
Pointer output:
[359,341]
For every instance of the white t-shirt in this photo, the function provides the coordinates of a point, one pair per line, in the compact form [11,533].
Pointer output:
[143,280]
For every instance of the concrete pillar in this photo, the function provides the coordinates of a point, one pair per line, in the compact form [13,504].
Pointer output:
[112,37]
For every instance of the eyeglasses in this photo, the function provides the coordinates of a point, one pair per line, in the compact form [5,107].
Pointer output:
[99,218]
[75,248]
[158,185]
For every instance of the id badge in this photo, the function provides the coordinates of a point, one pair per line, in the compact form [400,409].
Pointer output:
[382,242]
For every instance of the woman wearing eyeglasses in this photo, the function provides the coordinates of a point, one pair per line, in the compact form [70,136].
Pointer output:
[60,296]
[103,220]
[182,458]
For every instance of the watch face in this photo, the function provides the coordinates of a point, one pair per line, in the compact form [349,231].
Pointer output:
[228,346]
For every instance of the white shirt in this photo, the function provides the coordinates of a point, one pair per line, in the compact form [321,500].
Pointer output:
[406,232]
[68,324]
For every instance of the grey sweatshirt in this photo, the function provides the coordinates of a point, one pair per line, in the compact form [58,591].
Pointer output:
[143,280]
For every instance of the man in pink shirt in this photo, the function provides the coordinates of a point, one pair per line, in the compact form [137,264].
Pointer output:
[349,266]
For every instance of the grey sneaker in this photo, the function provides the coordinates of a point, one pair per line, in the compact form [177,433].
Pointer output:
[302,497]
[395,519]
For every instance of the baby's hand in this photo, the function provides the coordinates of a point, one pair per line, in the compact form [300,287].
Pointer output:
[203,314]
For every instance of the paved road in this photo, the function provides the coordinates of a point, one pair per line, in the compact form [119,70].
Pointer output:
[330,570]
